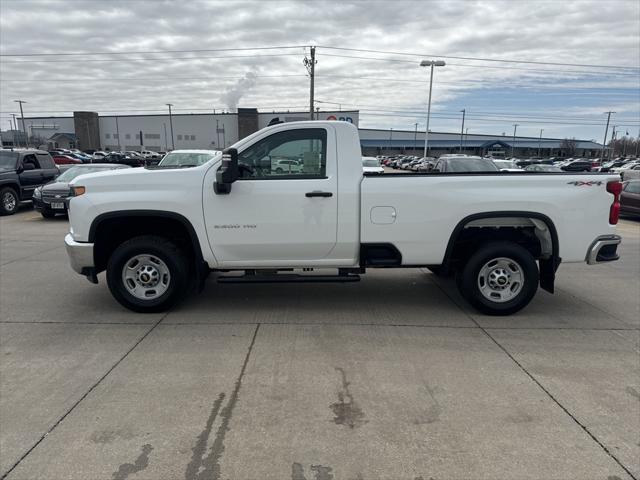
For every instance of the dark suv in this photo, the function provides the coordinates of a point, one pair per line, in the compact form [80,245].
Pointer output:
[21,172]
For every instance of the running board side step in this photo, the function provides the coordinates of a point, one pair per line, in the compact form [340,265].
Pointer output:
[287,278]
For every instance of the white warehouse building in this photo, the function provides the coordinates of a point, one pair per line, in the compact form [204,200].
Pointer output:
[90,131]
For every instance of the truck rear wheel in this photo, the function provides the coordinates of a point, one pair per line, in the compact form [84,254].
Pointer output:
[500,278]
[147,274]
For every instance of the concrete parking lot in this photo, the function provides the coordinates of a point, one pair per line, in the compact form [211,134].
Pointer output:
[394,377]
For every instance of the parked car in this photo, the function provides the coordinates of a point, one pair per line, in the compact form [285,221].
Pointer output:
[51,199]
[459,164]
[21,172]
[285,166]
[159,232]
[187,158]
[577,165]
[607,166]
[630,173]
[630,198]
[65,159]
[539,167]
[122,159]
[371,165]
[99,155]
[626,166]
[506,165]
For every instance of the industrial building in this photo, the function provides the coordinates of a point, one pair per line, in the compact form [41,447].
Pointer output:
[161,132]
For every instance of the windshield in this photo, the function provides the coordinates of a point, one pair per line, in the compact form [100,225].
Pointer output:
[470,165]
[505,164]
[370,163]
[77,171]
[8,159]
[184,159]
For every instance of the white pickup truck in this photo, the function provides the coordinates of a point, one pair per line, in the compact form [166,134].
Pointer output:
[159,231]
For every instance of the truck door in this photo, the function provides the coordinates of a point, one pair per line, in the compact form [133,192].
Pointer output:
[31,175]
[276,218]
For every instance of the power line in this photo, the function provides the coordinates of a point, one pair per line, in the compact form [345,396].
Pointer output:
[145,52]
[412,62]
[150,59]
[532,62]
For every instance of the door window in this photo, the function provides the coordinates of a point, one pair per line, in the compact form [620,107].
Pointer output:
[297,153]
[31,159]
[45,161]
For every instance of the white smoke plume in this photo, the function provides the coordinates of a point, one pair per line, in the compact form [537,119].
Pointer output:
[233,95]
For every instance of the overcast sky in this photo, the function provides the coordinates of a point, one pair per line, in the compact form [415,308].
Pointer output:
[390,89]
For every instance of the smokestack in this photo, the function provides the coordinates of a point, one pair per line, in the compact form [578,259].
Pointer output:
[233,95]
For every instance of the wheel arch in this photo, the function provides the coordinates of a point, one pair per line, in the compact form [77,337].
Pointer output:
[544,229]
[145,222]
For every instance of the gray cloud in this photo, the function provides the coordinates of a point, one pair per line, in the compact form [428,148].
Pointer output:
[574,32]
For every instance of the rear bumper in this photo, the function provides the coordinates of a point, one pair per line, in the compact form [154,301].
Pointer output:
[604,249]
[81,257]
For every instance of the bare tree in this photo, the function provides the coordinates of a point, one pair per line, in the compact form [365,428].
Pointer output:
[569,147]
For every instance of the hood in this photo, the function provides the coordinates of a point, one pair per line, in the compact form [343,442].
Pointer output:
[55,187]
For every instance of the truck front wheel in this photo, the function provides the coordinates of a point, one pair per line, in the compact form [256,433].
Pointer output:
[147,274]
[8,201]
[500,278]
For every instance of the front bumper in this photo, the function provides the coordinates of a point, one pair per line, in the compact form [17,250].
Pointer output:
[81,257]
[604,249]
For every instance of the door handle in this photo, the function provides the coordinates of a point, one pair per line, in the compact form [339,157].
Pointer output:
[318,193]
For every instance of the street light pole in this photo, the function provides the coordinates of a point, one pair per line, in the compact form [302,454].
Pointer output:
[462,129]
[415,136]
[173,145]
[24,127]
[429,63]
[118,134]
[390,137]
[513,144]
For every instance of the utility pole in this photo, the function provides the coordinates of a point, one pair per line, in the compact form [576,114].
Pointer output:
[311,69]
[166,145]
[612,150]
[540,140]
[15,127]
[624,145]
[173,145]
[415,136]
[24,127]
[513,144]
[118,134]
[462,129]
[390,137]
[218,132]
[637,143]
[606,130]
[429,63]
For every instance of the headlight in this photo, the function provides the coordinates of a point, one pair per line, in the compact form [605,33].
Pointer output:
[37,193]
[77,191]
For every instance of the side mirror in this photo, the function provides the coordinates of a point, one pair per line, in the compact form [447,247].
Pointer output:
[227,173]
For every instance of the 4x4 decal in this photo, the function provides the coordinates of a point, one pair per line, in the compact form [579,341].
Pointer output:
[584,184]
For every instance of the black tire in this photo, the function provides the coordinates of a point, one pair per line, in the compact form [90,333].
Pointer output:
[9,201]
[469,283]
[47,214]
[279,171]
[164,250]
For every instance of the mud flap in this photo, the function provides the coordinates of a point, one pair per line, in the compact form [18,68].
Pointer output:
[548,269]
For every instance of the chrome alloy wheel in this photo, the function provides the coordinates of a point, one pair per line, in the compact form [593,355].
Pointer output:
[9,201]
[500,280]
[146,276]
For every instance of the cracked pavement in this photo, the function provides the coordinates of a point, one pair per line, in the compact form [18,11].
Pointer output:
[394,377]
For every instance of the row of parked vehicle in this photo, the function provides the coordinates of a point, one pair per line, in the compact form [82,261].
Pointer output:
[627,167]
[131,158]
